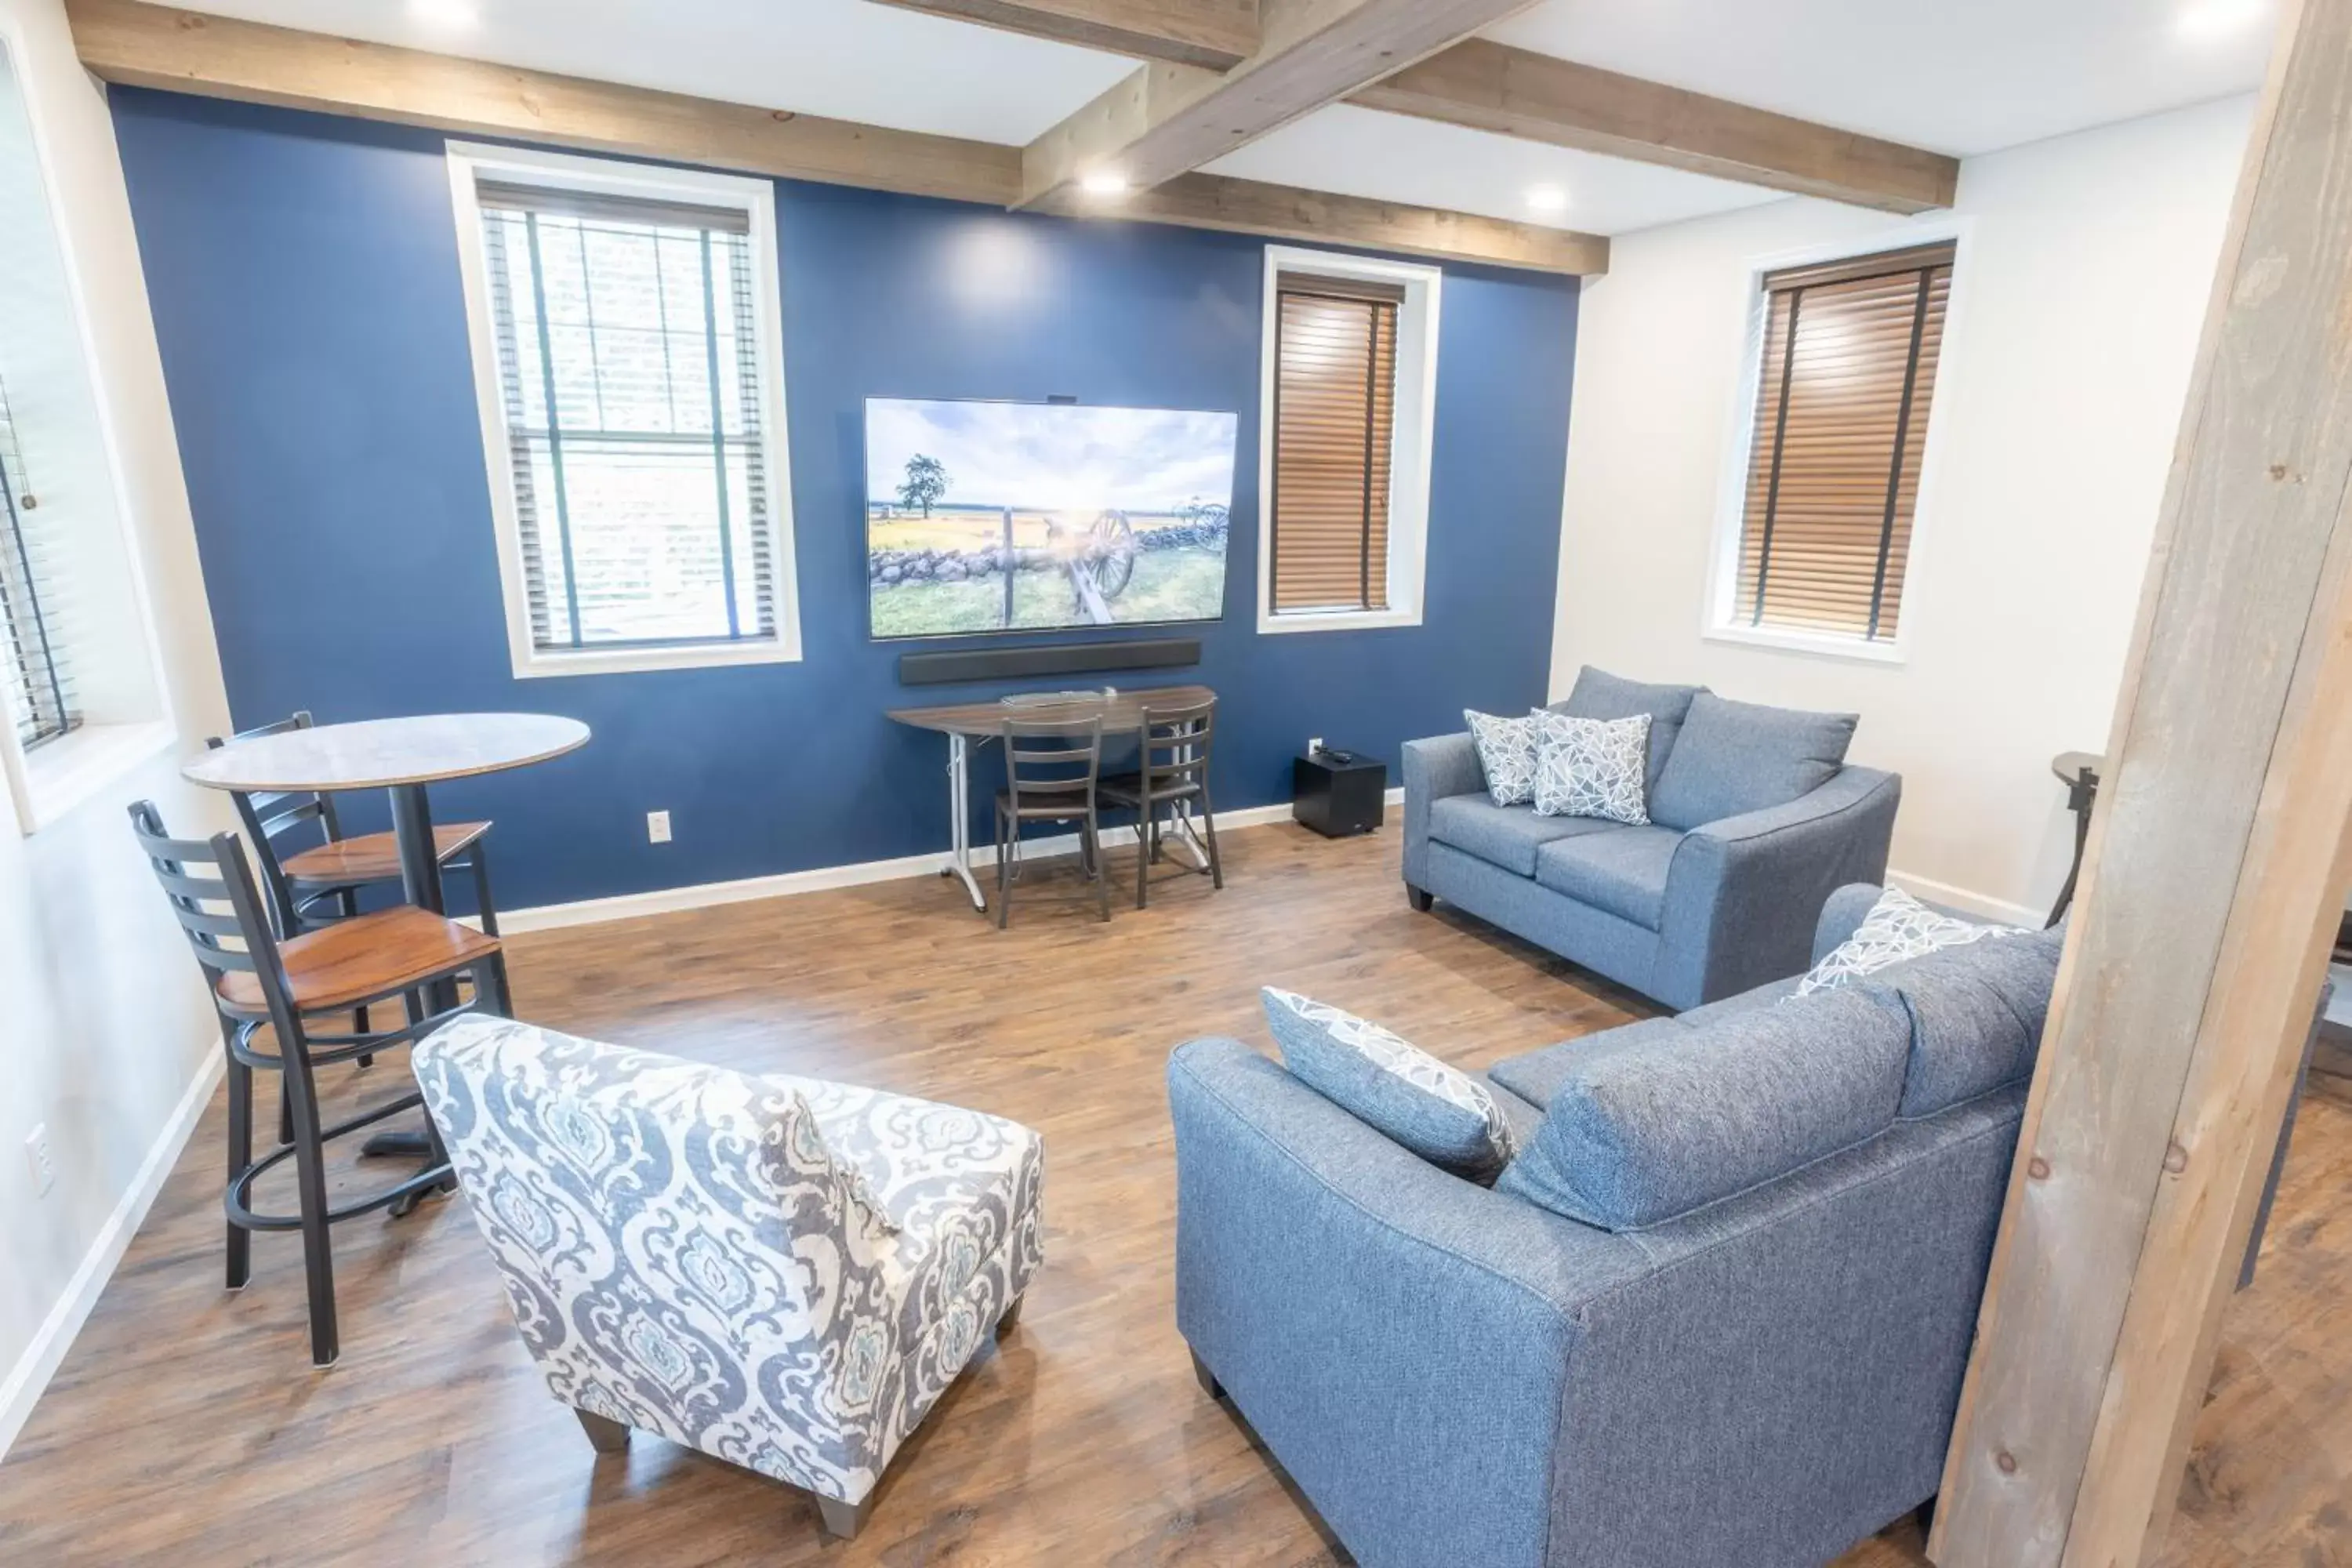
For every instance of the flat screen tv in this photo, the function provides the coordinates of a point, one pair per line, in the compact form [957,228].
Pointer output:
[994,516]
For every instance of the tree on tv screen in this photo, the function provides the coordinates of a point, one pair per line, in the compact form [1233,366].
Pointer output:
[925,482]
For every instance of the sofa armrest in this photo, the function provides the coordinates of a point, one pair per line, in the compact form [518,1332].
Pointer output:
[1435,768]
[1399,1338]
[1745,895]
[1843,916]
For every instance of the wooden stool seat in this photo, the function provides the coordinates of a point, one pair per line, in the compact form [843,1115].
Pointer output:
[372,856]
[361,959]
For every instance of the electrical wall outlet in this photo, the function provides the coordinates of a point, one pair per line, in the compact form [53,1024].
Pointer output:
[657,826]
[44,1164]
[1315,745]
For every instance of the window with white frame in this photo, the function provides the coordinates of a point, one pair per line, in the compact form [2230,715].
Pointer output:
[1350,357]
[34,663]
[626,356]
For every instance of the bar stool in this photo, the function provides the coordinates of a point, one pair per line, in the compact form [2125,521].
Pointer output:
[313,885]
[314,976]
[1050,768]
[1172,772]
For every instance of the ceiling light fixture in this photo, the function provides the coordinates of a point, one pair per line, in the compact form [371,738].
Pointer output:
[445,15]
[1547,199]
[2210,19]
[1104,183]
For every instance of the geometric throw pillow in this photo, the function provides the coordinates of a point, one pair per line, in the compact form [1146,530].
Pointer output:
[1591,767]
[1897,927]
[1507,755]
[1436,1112]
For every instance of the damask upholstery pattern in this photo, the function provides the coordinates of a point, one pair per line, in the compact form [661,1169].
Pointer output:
[1507,755]
[780,1272]
[1591,767]
[1897,927]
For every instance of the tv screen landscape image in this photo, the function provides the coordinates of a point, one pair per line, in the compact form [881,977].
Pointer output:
[989,517]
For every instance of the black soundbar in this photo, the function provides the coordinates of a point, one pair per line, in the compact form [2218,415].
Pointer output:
[1051,658]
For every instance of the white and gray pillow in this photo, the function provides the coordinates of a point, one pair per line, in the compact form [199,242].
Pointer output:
[1437,1111]
[1507,755]
[1897,927]
[1591,767]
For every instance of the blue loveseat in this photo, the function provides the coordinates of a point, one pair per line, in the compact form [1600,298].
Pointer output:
[1755,819]
[1748,1353]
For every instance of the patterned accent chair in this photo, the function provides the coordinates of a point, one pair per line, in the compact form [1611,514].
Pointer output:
[783,1273]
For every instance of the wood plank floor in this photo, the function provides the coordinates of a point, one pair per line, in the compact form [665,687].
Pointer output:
[187,1427]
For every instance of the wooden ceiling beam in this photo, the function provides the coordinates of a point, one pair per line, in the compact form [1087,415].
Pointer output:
[1537,97]
[1214,34]
[140,45]
[1169,120]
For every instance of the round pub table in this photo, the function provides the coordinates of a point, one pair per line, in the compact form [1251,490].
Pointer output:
[401,757]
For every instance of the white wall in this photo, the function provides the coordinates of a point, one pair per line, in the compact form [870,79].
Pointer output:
[105,1036]
[2078,298]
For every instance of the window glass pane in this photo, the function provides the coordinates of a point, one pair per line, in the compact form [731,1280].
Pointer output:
[33,670]
[643,502]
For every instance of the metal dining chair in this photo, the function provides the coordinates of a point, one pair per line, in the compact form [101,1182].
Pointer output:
[1172,775]
[1050,768]
[317,977]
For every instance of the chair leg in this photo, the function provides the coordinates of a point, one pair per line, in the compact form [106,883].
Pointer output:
[607,1436]
[842,1521]
[1005,834]
[311,1188]
[1208,826]
[1012,1319]
[285,1110]
[240,1159]
[348,899]
[487,909]
[1421,899]
[1143,848]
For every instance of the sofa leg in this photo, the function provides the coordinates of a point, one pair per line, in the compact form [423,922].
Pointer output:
[1209,1383]
[1418,898]
[608,1435]
[842,1521]
[1012,1319]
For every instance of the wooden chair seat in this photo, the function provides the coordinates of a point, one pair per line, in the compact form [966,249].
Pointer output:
[372,856]
[358,960]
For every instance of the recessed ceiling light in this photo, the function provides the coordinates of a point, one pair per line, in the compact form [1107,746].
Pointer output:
[1104,183]
[445,15]
[2204,19]
[1547,199]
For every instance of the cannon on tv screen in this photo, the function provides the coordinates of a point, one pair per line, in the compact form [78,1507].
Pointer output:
[994,516]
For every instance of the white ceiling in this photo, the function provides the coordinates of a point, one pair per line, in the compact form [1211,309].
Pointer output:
[1958,76]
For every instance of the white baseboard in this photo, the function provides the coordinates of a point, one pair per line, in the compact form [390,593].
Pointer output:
[30,1376]
[706,895]
[1991,909]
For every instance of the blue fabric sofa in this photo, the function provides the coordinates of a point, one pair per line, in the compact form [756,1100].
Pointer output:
[1456,1374]
[1755,819]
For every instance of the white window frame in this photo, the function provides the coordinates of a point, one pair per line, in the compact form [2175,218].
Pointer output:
[1718,618]
[1413,435]
[470,162]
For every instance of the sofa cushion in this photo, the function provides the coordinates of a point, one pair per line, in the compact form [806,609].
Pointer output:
[1437,1111]
[1621,871]
[1975,1015]
[1733,758]
[1591,767]
[1898,927]
[1598,694]
[1536,1076]
[1504,835]
[1636,1137]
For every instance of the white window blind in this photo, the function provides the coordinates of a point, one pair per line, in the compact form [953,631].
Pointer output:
[629,369]
[39,681]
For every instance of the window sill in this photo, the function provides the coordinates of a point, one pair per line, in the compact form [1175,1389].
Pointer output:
[72,770]
[1337,620]
[1821,646]
[530,664]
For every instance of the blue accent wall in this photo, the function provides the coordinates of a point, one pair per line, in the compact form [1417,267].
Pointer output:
[303,271]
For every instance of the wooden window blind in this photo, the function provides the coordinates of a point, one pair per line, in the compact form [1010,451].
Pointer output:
[1334,417]
[33,666]
[629,366]
[1841,422]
